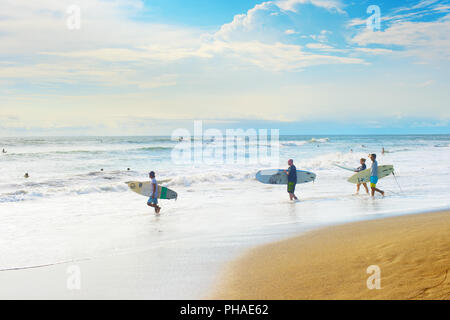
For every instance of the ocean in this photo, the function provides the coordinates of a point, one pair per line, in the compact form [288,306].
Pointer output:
[70,210]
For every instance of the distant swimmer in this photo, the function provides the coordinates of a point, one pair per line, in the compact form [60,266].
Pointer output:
[26,175]
[3,151]
[292,179]
[128,169]
[363,166]
[382,151]
[374,175]
[180,139]
[153,200]
[101,169]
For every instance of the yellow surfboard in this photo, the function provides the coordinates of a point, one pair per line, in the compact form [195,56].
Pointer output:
[364,176]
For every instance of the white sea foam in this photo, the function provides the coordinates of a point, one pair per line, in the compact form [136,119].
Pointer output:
[68,199]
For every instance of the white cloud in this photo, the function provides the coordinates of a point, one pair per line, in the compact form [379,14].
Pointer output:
[251,24]
[322,36]
[131,58]
[356,22]
[251,38]
[291,5]
[318,46]
[375,51]
[427,83]
[420,5]
[290,31]
[424,40]
[279,56]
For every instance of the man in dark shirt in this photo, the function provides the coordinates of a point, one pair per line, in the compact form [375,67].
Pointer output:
[359,169]
[292,179]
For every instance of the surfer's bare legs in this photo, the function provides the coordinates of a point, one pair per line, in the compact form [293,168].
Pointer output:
[365,187]
[157,208]
[377,190]
[292,196]
[358,186]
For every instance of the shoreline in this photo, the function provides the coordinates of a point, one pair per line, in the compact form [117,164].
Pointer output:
[144,274]
[412,252]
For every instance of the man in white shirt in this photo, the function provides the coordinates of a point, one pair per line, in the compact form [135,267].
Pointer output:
[153,200]
[374,175]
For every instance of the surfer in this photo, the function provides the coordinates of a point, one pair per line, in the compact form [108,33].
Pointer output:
[362,167]
[374,175]
[292,179]
[153,200]
[3,151]
[26,175]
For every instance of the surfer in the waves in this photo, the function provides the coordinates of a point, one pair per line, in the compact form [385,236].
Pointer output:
[292,179]
[362,167]
[153,200]
[374,175]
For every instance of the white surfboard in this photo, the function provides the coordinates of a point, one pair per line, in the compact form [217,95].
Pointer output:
[278,176]
[144,188]
[342,167]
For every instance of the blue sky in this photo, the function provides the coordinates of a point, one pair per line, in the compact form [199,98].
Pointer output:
[149,67]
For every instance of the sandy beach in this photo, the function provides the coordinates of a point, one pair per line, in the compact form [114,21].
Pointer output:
[412,253]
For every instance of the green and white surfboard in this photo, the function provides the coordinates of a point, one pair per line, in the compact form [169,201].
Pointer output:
[144,188]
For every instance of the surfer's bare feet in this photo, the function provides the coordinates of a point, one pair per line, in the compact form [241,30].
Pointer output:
[157,209]
[382,193]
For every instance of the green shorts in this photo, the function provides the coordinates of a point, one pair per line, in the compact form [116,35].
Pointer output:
[291,187]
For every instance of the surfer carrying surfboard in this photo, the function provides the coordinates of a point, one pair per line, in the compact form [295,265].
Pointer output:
[292,179]
[374,175]
[362,167]
[153,200]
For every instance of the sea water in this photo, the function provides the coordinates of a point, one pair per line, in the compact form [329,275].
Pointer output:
[69,210]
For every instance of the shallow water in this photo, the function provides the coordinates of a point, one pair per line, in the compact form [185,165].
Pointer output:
[69,210]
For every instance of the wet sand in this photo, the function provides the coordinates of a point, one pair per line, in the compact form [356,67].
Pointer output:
[412,253]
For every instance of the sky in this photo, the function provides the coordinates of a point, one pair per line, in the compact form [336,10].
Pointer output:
[135,67]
